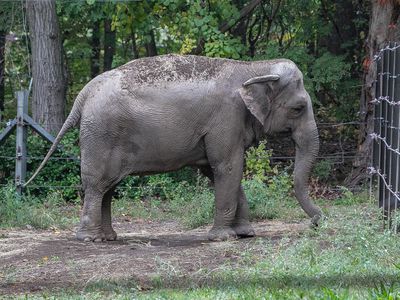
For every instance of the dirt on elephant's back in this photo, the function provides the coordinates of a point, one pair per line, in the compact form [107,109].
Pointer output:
[37,260]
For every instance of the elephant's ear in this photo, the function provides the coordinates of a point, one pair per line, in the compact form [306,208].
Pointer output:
[254,96]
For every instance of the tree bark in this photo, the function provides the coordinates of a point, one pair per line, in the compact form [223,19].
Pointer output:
[48,105]
[384,27]
[95,44]
[135,52]
[109,45]
[2,63]
[151,48]
[244,12]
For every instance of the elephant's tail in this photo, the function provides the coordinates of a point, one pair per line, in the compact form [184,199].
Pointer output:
[71,121]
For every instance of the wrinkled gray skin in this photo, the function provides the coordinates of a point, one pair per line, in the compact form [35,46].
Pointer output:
[161,113]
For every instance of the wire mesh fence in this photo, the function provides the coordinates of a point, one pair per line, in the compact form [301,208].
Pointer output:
[386,145]
[336,150]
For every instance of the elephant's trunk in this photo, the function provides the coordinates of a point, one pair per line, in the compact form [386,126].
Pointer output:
[307,146]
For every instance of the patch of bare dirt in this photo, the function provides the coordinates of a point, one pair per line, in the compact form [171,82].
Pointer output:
[33,260]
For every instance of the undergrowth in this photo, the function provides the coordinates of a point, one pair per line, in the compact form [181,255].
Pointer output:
[184,195]
[348,257]
[30,211]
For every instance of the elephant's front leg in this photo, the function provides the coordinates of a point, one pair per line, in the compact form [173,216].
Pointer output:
[242,224]
[227,177]
[106,222]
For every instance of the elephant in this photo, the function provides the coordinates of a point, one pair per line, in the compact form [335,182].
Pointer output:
[159,114]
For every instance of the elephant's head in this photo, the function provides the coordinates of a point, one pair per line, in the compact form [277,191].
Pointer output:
[279,101]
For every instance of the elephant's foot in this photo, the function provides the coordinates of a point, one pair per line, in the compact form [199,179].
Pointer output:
[109,233]
[90,235]
[244,229]
[221,234]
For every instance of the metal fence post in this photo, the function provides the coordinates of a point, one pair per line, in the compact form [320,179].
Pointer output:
[386,149]
[21,139]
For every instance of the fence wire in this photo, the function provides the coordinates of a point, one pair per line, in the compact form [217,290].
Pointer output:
[337,151]
[386,145]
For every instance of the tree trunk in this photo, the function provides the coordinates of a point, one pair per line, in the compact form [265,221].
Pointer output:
[135,52]
[151,48]
[2,64]
[95,44]
[109,45]
[48,105]
[384,27]
[341,15]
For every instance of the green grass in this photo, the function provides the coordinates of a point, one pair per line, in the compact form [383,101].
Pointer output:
[29,211]
[348,257]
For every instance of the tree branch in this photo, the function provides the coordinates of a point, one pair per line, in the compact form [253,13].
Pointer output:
[244,12]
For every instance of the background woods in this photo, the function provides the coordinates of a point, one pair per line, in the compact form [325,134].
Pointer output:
[333,42]
[163,252]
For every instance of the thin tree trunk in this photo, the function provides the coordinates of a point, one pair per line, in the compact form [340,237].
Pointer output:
[109,45]
[95,44]
[151,48]
[384,27]
[2,63]
[135,52]
[48,105]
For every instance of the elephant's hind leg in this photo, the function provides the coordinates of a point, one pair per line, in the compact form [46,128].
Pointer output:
[90,228]
[110,234]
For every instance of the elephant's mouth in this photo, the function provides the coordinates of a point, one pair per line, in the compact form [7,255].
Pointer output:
[281,133]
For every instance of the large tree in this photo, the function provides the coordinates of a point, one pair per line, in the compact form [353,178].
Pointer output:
[5,16]
[48,105]
[384,27]
[2,63]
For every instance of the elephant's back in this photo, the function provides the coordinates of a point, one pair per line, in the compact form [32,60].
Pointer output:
[172,68]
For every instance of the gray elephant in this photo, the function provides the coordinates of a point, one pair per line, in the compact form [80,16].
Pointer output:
[159,114]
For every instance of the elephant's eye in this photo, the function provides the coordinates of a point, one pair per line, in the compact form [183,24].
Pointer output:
[297,110]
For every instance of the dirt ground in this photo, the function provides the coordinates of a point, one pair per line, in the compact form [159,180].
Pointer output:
[38,260]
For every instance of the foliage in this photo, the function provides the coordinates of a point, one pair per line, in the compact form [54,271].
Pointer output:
[29,211]
[299,30]
[160,186]
[329,69]
[267,189]
[61,171]
[322,169]
[258,163]
[267,201]
[349,198]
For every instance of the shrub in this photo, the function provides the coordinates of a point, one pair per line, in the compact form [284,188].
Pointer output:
[266,200]
[258,164]
[17,211]
[60,171]
[322,169]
